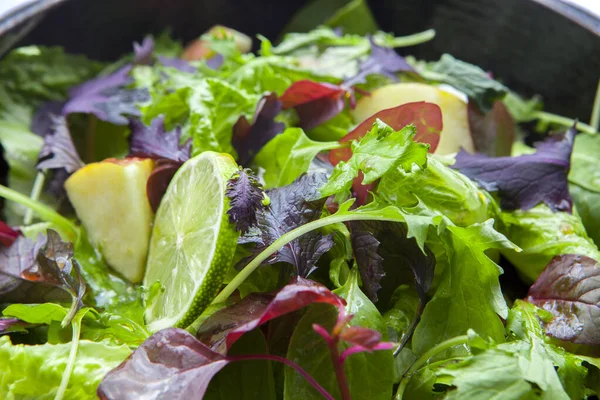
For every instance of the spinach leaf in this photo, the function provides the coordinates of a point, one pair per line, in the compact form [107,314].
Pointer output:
[568,288]
[289,155]
[248,379]
[468,78]
[584,182]
[370,375]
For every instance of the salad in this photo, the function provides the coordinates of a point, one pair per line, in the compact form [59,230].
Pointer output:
[322,218]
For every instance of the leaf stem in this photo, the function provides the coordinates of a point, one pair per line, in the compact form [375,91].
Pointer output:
[595,118]
[289,363]
[338,367]
[422,361]
[44,212]
[36,190]
[563,121]
[410,40]
[287,238]
[64,383]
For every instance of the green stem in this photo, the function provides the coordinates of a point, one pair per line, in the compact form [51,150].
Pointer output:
[70,362]
[44,212]
[422,361]
[595,119]
[564,121]
[410,40]
[36,190]
[287,238]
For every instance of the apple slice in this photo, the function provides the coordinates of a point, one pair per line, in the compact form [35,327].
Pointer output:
[455,133]
[110,199]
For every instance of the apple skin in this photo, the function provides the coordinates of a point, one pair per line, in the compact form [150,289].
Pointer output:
[455,133]
[110,200]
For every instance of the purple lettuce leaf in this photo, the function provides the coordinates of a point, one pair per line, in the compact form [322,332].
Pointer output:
[248,138]
[143,52]
[154,142]
[176,63]
[291,206]
[8,235]
[107,98]
[528,180]
[369,262]
[246,197]
[314,102]
[569,288]
[9,325]
[383,61]
[222,329]
[59,150]
[43,119]
[159,180]
[170,364]
[493,132]
[40,271]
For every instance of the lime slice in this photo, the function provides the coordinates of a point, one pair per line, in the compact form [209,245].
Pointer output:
[192,243]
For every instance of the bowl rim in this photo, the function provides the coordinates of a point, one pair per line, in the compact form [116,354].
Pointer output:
[32,11]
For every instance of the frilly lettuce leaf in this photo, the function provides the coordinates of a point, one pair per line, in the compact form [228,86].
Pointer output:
[543,234]
[35,371]
[440,189]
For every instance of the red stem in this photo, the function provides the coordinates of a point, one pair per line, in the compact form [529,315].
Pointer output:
[338,367]
[289,363]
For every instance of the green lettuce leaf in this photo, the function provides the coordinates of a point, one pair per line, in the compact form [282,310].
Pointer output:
[36,371]
[468,295]
[288,155]
[543,234]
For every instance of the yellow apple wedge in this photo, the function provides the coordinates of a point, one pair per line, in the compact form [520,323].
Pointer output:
[455,133]
[110,199]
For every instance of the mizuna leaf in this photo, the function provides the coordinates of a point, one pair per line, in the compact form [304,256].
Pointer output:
[106,98]
[569,288]
[382,60]
[249,138]
[525,181]
[426,118]
[314,102]
[171,362]
[41,271]
[246,196]
[292,206]
[381,150]
[154,142]
[222,329]
[58,150]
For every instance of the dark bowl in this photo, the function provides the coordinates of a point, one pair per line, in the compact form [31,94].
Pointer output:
[535,46]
